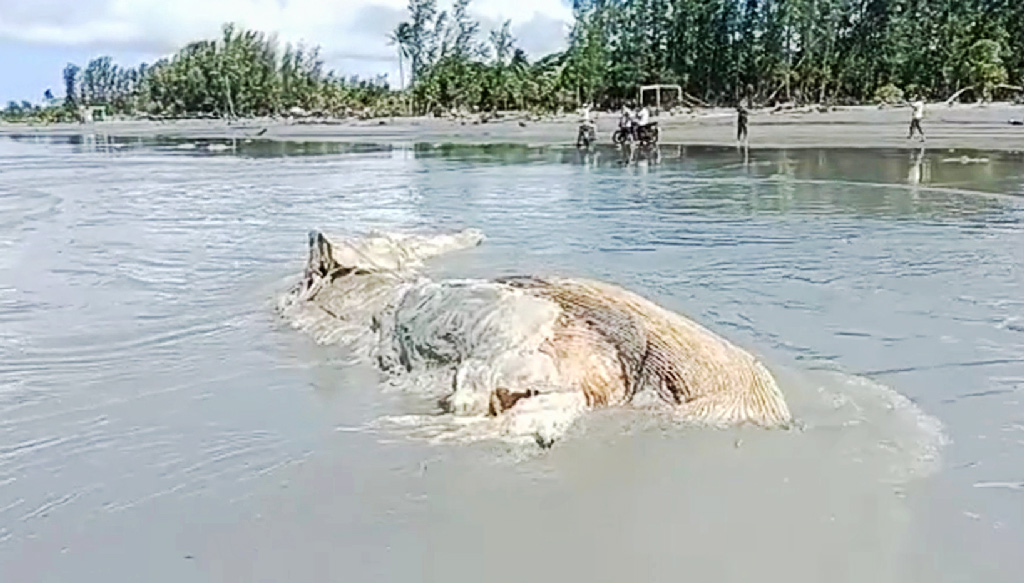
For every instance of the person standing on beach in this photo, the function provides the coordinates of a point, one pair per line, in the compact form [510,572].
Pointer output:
[741,123]
[643,117]
[626,122]
[587,132]
[915,118]
[585,115]
[587,118]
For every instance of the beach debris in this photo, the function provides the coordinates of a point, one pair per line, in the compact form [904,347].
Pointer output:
[1006,485]
[965,160]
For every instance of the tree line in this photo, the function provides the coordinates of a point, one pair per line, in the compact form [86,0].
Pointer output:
[719,51]
[724,51]
[840,51]
[244,73]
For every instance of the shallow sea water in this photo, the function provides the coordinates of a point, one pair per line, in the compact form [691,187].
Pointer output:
[159,422]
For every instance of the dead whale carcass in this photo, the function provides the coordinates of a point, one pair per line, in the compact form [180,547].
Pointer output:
[533,352]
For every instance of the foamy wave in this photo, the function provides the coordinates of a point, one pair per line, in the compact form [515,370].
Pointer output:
[861,420]
[875,421]
[539,421]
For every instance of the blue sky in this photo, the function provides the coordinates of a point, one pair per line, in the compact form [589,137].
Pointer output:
[39,37]
[27,70]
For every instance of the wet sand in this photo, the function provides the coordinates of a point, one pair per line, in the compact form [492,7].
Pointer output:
[977,127]
[159,423]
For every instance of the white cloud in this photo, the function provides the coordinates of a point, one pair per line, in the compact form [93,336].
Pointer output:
[352,32]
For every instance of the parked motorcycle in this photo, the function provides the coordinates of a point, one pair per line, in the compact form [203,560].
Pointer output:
[646,135]
[586,136]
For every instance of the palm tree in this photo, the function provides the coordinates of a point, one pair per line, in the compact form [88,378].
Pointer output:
[401,37]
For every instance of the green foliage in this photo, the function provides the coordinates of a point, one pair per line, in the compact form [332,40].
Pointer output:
[243,73]
[794,50]
[719,51]
[27,112]
[986,67]
[71,84]
[889,95]
[722,51]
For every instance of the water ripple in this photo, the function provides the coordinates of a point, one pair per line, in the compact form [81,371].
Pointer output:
[140,362]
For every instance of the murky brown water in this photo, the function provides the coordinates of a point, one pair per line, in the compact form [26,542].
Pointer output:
[159,423]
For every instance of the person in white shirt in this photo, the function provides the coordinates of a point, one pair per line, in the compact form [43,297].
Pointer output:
[585,116]
[915,118]
[644,117]
[587,129]
[626,121]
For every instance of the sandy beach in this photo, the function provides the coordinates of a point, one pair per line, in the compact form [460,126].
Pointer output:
[163,423]
[981,127]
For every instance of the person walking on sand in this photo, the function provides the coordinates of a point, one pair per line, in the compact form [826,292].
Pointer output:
[741,123]
[916,116]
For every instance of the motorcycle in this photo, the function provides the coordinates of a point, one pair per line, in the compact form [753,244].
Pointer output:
[647,135]
[587,135]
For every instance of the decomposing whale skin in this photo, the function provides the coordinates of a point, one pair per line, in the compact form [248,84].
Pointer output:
[533,352]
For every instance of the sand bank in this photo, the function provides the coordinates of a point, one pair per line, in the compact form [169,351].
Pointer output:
[962,126]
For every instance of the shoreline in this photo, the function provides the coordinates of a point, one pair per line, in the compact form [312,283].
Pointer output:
[975,127]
